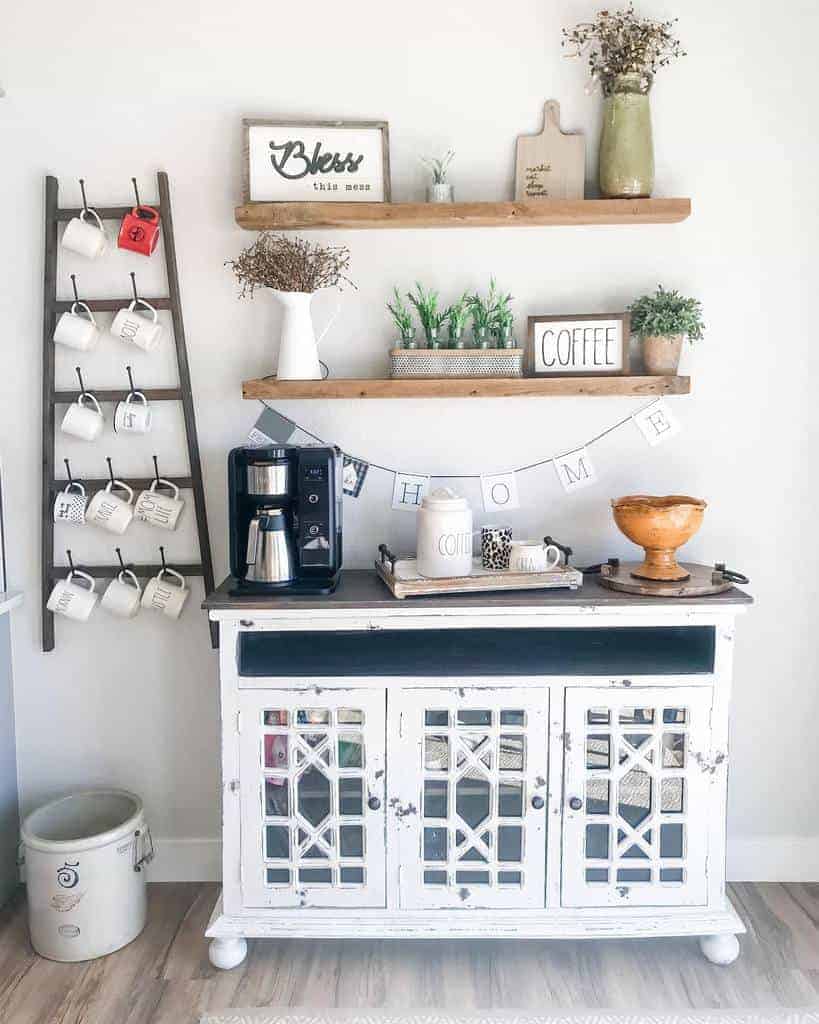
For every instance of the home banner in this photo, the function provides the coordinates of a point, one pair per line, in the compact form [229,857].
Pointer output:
[575,470]
[408,491]
[354,475]
[270,428]
[657,423]
[500,492]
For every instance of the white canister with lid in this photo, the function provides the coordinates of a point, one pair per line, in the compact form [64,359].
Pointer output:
[444,535]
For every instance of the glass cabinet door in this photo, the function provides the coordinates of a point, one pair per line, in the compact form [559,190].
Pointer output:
[312,787]
[635,802]
[468,789]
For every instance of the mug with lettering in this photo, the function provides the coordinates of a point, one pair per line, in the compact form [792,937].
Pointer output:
[122,595]
[133,415]
[73,600]
[109,511]
[70,504]
[163,595]
[161,510]
[533,556]
[77,330]
[85,238]
[132,326]
[82,421]
[496,546]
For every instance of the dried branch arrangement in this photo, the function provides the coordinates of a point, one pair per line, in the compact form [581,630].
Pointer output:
[290,265]
[622,43]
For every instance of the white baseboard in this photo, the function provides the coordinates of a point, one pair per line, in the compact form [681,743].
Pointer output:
[750,859]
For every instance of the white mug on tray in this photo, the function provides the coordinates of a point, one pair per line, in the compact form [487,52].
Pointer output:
[533,556]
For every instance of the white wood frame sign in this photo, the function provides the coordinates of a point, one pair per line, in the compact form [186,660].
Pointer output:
[316,161]
[592,344]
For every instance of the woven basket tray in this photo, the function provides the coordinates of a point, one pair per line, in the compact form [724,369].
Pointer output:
[456,362]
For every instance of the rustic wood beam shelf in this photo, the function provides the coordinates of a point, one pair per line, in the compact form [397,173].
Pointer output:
[465,387]
[539,213]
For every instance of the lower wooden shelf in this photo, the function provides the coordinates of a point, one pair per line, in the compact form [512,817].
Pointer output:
[466,387]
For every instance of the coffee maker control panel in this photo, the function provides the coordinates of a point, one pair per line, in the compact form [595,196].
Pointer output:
[315,513]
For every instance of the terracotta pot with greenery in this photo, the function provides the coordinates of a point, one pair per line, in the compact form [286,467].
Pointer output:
[662,321]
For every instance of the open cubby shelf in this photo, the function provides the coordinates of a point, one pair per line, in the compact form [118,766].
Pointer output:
[530,213]
[466,387]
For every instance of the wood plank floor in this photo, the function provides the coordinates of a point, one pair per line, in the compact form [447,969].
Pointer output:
[164,977]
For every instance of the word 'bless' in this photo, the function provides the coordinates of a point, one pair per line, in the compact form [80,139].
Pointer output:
[291,161]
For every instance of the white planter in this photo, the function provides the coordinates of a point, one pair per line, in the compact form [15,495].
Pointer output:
[444,535]
[84,857]
[440,194]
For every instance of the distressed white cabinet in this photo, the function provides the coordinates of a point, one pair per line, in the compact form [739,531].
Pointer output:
[521,765]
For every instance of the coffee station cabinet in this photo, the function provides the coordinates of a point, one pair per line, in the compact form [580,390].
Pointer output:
[549,764]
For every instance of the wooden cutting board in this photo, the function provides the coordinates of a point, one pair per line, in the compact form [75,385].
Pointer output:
[550,165]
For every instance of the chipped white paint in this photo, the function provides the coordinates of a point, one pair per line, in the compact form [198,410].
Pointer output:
[394,901]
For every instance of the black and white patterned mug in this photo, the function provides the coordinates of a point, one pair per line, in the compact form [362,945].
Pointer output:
[70,504]
[496,546]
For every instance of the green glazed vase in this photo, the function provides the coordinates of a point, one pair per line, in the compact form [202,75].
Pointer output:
[626,162]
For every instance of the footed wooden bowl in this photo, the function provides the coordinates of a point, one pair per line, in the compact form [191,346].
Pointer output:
[660,526]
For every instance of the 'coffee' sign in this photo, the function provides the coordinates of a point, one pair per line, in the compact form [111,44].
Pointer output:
[588,344]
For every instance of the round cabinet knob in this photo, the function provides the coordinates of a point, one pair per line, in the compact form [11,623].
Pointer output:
[538,803]
[575,803]
[374,803]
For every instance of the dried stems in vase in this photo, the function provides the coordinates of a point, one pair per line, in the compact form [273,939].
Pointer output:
[290,265]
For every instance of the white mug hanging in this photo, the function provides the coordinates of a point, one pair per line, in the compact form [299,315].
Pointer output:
[134,415]
[74,600]
[139,330]
[70,504]
[160,510]
[165,597]
[109,511]
[75,331]
[86,239]
[122,595]
[86,424]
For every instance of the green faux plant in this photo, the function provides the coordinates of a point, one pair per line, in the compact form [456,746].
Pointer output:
[665,314]
[457,315]
[483,310]
[401,316]
[438,166]
[503,317]
[426,306]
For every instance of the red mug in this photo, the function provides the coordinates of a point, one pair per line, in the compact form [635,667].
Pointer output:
[139,230]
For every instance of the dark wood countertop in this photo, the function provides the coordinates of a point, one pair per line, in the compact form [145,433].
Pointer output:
[362,589]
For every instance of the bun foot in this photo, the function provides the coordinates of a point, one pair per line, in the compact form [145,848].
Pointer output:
[227,953]
[720,949]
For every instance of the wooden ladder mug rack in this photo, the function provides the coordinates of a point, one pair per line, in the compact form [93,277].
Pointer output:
[52,307]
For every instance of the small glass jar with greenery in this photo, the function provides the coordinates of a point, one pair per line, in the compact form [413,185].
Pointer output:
[457,315]
[402,318]
[482,310]
[662,321]
[503,323]
[432,318]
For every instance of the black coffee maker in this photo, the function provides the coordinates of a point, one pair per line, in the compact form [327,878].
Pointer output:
[285,519]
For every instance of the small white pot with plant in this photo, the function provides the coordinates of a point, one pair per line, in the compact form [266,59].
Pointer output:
[293,270]
[662,322]
[439,190]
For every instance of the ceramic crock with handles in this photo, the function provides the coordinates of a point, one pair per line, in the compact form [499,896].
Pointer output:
[444,535]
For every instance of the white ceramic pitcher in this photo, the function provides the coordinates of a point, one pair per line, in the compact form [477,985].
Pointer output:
[298,351]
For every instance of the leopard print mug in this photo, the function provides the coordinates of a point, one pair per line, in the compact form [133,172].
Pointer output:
[496,546]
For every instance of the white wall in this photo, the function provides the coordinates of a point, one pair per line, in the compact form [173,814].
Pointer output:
[107,90]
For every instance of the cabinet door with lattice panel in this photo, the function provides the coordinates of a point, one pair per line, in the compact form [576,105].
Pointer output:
[312,785]
[636,796]
[468,792]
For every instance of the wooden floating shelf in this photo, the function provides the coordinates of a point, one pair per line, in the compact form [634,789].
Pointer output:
[532,213]
[466,387]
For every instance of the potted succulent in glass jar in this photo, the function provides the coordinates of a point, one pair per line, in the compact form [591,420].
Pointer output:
[624,53]
[663,321]
[503,322]
[439,190]
[402,318]
[483,315]
[457,315]
[432,319]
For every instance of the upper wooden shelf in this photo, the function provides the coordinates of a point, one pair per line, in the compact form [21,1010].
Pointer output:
[534,213]
[465,387]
